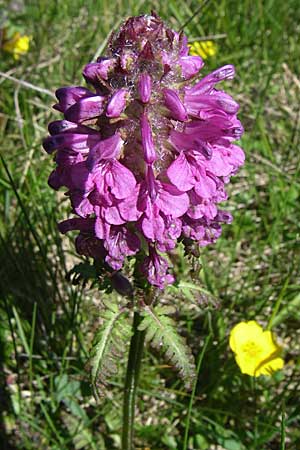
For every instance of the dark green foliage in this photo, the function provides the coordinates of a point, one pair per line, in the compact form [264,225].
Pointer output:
[83,272]
[161,332]
[108,345]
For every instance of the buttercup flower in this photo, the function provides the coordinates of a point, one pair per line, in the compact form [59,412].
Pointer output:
[17,45]
[205,49]
[146,150]
[256,351]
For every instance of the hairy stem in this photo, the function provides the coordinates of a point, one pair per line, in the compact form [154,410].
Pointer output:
[132,376]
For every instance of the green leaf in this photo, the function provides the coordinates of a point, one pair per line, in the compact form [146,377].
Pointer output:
[65,387]
[282,429]
[169,441]
[82,436]
[290,309]
[161,332]
[108,345]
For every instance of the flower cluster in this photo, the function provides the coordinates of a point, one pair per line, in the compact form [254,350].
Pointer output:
[146,151]
[205,49]
[256,351]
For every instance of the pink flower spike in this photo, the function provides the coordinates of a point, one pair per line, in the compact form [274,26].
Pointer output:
[147,152]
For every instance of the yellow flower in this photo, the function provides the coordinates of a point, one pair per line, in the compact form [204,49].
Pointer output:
[17,45]
[256,351]
[205,49]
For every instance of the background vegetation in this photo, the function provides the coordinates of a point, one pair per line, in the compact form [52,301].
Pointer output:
[252,272]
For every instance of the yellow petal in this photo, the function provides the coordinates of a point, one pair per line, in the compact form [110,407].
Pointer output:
[247,365]
[270,341]
[269,367]
[243,332]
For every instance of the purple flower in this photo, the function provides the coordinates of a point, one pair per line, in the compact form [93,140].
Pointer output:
[68,96]
[190,66]
[95,72]
[86,108]
[159,201]
[119,243]
[155,267]
[145,153]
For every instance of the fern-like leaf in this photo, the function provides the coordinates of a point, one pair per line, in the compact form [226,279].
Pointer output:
[108,346]
[161,332]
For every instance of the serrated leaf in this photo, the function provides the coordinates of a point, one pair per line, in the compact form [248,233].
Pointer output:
[82,436]
[108,345]
[161,332]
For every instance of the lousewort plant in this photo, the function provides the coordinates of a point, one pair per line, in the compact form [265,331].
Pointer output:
[145,153]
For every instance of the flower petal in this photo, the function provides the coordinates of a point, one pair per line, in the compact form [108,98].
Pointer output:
[105,149]
[95,72]
[76,223]
[153,227]
[205,186]
[171,201]
[117,103]
[112,215]
[69,95]
[190,65]
[120,179]
[180,173]
[85,109]
[175,105]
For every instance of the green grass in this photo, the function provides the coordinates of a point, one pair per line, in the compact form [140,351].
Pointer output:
[47,324]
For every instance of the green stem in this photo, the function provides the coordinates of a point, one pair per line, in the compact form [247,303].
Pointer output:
[188,419]
[132,376]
